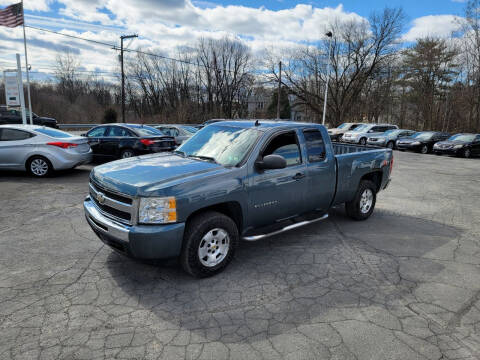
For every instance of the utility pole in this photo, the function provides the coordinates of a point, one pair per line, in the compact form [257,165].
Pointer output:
[123,37]
[330,35]
[279,88]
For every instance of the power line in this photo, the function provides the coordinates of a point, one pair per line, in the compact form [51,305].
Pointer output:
[115,47]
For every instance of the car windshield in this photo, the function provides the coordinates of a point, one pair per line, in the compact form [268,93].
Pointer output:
[189,129]
[53,133]
[146,131]
[226,145]
[343,126]
[463,137]
[392,132]
[361,128]
[422,135]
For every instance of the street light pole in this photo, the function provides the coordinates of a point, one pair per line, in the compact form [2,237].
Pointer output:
[123,72]
[330,35]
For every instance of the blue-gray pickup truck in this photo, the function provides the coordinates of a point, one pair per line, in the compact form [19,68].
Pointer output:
[232,180]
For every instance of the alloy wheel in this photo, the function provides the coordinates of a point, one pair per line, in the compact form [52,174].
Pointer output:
[366,201]
[213,247]
[39,167]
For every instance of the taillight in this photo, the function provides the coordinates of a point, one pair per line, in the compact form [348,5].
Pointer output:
[147,142]
[63,145]
[391,165]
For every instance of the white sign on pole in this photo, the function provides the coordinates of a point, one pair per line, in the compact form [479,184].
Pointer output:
[12,93]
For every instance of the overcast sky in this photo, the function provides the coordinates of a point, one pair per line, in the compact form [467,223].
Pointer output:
[164,25]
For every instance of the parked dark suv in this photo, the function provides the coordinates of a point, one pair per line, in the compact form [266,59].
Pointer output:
[14,116]
[422,141]
[119,141]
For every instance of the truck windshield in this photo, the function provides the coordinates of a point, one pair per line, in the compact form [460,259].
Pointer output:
[227,145]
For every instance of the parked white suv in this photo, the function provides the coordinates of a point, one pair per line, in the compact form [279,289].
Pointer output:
[363,132]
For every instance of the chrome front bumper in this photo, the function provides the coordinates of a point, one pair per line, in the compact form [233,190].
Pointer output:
[104,225]
[137,241]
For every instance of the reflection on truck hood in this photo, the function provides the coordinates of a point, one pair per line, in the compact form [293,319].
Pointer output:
[134,175]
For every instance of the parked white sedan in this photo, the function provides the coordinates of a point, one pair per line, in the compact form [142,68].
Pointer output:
[41,150]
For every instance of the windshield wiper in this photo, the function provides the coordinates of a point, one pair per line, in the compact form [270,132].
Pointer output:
[201,157]
[181,153]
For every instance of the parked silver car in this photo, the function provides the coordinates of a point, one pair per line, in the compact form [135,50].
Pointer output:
[337,133]
[181,133]
[363,132]
[41,150]
[389,138]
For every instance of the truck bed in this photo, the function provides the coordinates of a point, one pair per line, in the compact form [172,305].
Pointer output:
[355,161]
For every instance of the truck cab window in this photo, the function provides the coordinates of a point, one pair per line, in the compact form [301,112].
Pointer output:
[286,145]
[315,145]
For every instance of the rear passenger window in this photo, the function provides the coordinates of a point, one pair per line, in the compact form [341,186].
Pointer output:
[13,135]
[285,145]
[315,145]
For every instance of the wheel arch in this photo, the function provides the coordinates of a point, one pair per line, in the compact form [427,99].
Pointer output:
[31,156]
[376,177]
[232,209]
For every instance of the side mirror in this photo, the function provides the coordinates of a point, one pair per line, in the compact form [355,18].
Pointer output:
[84,134]
[271,162]
[370,131]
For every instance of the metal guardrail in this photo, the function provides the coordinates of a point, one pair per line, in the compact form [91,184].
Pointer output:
[76,126]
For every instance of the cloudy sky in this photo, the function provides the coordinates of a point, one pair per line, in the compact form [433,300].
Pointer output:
[164,25]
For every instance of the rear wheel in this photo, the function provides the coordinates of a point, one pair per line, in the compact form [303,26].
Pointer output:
[363,204]
[126,153]
[363,141]
[39,166]
[209,244]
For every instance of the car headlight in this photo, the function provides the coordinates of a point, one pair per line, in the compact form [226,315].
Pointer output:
[157,210]
[416,143]
[456,147]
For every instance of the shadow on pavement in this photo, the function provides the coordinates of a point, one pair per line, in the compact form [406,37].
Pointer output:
[312,274]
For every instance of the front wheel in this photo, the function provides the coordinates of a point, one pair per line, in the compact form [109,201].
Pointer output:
[363,141]
[391,145]
[424,149]
[467,153]
[209,244]
[362,205]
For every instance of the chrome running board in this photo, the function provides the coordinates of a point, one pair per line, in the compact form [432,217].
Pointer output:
[286,228]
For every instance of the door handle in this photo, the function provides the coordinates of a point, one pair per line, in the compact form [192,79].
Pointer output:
[298,176]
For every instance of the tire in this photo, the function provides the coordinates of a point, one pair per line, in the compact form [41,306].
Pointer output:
[425,149]
[363,141]
[357,209]
[467,153]
[202,234]
[126,153]
[391,145]
[39,166]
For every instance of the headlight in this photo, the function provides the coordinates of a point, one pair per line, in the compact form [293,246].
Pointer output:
[157,210]
[416,143]
[456,147]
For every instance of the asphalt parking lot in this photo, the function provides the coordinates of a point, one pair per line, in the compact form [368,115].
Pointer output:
[403,285]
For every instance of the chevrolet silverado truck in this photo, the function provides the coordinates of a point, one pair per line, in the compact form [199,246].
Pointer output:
[231,181]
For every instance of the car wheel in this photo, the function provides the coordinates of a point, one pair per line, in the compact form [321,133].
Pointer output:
[362,205]
[391,145]
[363,141]
[127,153]
[39,166]
[467,153]
[209,244]
[424,149]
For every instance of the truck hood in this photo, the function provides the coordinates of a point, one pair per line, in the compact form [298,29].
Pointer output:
[46,119]
[148,173]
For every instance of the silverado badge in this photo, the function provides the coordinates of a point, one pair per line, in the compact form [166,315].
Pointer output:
[100,198]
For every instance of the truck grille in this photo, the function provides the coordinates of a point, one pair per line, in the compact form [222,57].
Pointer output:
[116,206]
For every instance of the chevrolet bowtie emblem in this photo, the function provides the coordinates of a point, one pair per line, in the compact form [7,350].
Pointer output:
[100,198]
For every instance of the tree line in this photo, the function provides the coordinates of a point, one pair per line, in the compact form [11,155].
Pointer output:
[431,84]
